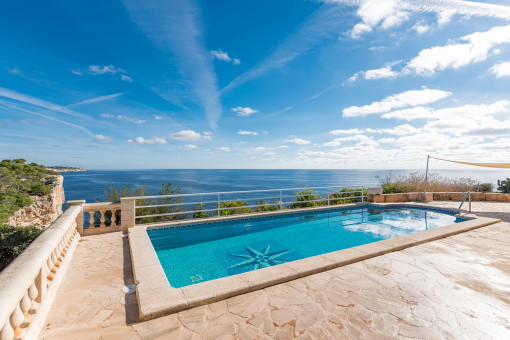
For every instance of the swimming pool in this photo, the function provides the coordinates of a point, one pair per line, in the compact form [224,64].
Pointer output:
[191,254]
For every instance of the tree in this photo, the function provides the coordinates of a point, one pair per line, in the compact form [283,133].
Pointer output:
[504,185]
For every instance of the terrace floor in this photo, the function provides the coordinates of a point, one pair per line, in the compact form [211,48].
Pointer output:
[456,287]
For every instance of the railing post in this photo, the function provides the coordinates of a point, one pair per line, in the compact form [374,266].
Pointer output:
[328,196]
[218,205]
[362,194]
[127,212]
[281,203]
[79,218]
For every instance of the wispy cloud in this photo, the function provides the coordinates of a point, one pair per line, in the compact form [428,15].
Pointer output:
[244,132]
[103,138]
[141,140]
[107,69]
[122,117]
[224,148]
[98,99]
[20,97]
[298,141]
[175,26]
[324,23]
[17,107]
[189,147]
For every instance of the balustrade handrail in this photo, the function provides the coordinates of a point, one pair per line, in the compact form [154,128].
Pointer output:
[21,273]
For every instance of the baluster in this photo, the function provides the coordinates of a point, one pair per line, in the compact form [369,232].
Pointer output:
[25,305]
[16,320]
[33,292]
[114,218]
[49,263]
[7,333]
[102,212]
[91,219]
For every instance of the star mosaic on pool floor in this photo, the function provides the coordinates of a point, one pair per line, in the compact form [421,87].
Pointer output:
[260,259]
[257,255]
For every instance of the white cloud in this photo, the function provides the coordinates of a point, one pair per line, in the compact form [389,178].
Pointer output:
[397,101]
[125,78]
[384,72]
[501,69]
[346,132]
[421,28]
[476,48]
[298,141]
[77,72]
[224,148]
[359,29]
[158,117]
[333,143]
[103,138]
[379,73]
[220,55]
[413,113]
[189,147]
[244,111]
[383,13]
[185,135]
[122,117]
[107,69]
[14,71]
[400,130]
[258,149]
[243,132]
[141,140]
[283,146]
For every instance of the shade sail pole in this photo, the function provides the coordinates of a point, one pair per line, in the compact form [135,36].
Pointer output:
[427,173]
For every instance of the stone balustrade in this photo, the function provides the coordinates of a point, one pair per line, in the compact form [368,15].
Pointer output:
[29,284]
[99,218]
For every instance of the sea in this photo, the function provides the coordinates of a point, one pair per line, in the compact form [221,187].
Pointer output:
[91,185]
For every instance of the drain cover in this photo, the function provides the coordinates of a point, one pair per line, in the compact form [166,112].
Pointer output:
[129,289]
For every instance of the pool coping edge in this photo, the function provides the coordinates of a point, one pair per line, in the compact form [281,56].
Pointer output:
[157,298]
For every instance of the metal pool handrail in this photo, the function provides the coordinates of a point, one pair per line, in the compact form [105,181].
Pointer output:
[467,195]
[277,205]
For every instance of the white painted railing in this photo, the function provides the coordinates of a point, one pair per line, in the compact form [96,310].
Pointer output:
[180,206]
[29,284]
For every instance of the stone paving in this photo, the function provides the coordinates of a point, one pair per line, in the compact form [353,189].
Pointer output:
[454,288]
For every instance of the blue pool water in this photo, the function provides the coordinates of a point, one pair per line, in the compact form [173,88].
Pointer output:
[196,253]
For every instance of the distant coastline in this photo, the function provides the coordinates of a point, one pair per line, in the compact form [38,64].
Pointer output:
[65,169]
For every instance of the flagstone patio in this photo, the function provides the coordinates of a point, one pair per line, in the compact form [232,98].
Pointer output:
[456,287]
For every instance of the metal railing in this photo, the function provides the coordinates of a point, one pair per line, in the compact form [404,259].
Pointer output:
[468,195]
[181,206]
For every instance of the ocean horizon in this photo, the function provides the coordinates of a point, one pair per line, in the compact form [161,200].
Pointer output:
[91,185]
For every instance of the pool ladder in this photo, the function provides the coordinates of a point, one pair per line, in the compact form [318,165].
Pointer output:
[468,195]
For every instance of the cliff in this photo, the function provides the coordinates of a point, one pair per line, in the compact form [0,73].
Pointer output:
[43,210]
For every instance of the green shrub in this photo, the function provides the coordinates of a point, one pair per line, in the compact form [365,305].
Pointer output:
[484,187]
[237,207]
[264,206]
[504,185]
[13,240]
[201,214]
[308,198]
[344,196]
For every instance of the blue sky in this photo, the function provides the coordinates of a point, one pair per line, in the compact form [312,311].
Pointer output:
[254,84]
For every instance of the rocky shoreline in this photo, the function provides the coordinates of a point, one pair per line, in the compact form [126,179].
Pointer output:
[66,169]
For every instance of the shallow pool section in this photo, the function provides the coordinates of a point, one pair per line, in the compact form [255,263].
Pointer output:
[202,252]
